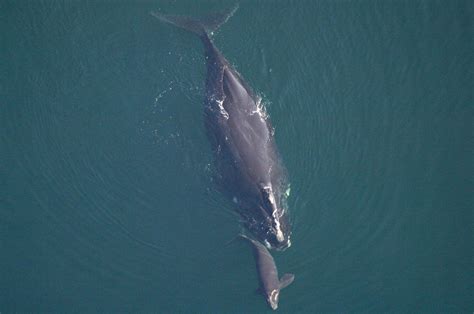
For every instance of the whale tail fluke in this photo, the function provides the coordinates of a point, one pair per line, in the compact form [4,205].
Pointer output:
[200,26]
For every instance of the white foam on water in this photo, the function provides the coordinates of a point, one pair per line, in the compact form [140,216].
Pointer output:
[260,110]
[220,103]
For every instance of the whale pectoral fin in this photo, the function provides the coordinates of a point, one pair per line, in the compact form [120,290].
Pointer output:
[286,280]
[258,291]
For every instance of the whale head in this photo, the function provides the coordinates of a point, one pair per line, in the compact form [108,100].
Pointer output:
[269,223]
[272,298]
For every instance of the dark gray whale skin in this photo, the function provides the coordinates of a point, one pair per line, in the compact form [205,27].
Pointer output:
[270,285]
[249,169]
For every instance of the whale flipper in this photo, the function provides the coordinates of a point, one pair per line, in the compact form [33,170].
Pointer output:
[286,280]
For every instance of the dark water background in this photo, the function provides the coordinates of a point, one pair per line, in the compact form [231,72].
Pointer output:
[106,198]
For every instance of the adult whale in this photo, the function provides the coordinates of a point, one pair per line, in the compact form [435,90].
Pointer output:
[249,169]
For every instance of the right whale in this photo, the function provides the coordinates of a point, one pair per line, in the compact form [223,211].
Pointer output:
[270,285]
[249,169]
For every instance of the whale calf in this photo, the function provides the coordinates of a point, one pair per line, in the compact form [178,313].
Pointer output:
[270,285]
[248,166]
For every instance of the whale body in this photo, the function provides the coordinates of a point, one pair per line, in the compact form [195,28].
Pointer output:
[249,168]
[270,285]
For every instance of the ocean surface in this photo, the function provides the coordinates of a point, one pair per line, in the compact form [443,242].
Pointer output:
[106,197]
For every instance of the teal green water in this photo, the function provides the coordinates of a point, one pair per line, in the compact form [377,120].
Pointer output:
[106,199]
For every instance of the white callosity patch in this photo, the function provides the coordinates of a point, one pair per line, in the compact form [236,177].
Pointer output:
[273,298]
[275,214]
